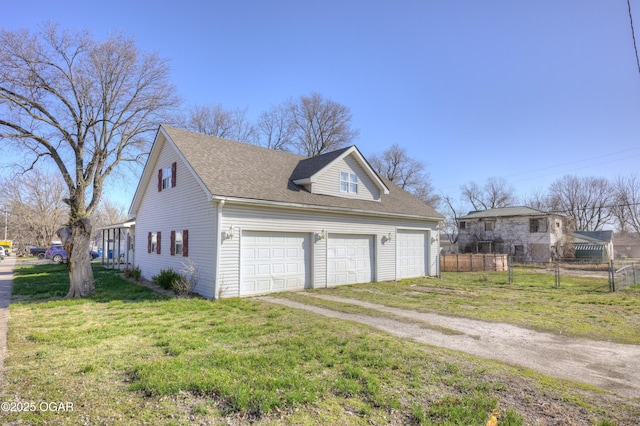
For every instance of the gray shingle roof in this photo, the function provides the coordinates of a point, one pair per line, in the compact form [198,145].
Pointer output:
[505,212]
[240,170]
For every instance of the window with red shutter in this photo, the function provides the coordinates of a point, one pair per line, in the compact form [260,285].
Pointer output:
[158,242]
[160,180]
[174,167]
[149,243]
[173,243]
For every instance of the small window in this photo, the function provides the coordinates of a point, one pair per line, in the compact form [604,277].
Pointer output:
[488,226]
[538,225]
[348,182]
[154,242]
[178,243]
[463,225]
[166,178]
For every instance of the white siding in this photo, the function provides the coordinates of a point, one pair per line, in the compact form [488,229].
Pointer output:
[329,182]
[183,207]
[257,218]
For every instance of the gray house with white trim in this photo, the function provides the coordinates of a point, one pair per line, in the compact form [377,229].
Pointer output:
[254,220]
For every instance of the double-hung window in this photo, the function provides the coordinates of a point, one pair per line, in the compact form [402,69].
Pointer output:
[348,182]
[166,178]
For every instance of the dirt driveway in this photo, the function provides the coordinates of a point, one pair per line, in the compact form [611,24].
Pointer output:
[611,366]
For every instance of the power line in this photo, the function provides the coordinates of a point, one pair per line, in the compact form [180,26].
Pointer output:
[633,34]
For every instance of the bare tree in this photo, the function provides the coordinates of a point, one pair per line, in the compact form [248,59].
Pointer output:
[217,121]
[37,209]
[275,128]
[108,213]
[87,106]
[495,193]
[626,207]
[537,200]
[586,200]
[452,223]
[406,172]
[319,125]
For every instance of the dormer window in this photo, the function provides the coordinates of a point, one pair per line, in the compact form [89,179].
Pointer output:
[348,182]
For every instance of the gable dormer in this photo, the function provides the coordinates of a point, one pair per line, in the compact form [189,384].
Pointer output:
[344,173]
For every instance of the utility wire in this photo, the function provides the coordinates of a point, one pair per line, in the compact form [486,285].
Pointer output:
[633,35]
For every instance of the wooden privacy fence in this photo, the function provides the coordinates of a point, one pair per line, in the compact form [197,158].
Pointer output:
[473,262]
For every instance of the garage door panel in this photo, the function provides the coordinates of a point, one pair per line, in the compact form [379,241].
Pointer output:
[274,262]
[350,259]
[412,254]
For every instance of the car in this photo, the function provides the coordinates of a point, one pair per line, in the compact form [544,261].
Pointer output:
[59,255]
[48,253]
[6,250]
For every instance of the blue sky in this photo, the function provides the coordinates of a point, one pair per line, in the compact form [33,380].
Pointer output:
[528,91]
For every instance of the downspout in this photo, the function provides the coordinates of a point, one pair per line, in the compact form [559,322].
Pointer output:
[216,282]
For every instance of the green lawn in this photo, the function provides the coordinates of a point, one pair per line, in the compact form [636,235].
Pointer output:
[129,356]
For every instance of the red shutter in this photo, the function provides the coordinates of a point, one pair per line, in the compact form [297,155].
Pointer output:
[185,243]
[172,249]
[160,180]
[158,243]
[174,169]
[149,243]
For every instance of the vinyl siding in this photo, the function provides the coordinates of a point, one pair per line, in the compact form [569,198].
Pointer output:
[257,218]
[329,182]
[184,206]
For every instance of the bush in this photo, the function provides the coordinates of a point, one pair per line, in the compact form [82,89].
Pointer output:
[166,278]
[189,276]
[134,273]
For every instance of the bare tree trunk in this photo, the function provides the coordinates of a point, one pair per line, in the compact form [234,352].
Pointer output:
[76,242]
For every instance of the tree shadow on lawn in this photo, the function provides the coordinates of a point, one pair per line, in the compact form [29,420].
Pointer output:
[50,282]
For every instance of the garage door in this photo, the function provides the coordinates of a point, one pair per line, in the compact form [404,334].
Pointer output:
[273,261]
[412,254]
[350,259]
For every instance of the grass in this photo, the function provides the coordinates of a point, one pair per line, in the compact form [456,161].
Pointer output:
[129,356]
[581,307]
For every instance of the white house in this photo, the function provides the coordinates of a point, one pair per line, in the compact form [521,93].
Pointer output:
[255,220]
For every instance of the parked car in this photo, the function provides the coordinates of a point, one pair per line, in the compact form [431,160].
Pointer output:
[6,250]
[57,254]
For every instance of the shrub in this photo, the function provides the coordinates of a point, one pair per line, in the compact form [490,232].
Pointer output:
[189,276]
[166,278]
[134,273]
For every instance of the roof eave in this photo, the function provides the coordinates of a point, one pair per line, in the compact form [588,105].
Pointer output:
[300,206]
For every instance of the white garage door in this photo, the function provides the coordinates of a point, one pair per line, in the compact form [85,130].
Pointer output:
[274,261]
[412,254]
[350,259]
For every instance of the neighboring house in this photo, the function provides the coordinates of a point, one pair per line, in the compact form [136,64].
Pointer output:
[626,245]
[527,234]
[254,220]
[593,245]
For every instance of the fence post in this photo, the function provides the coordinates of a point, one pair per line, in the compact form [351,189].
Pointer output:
[612,283]
[557,274]
[510,269]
